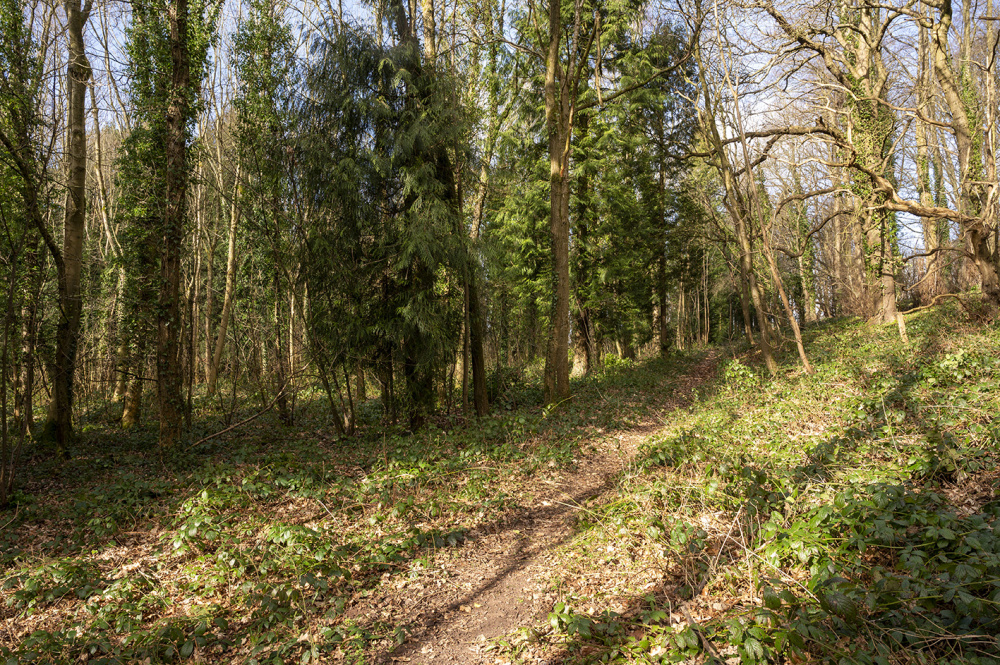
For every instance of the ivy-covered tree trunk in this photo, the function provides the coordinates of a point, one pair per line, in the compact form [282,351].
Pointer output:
[132,412]
[24,407]
[168,366]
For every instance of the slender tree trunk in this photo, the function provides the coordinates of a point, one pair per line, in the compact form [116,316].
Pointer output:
[557,120]
[60,419]
[681,307]
[280,359]
[789,312]
[930,286]
[227,298]
[209,308]
[24,408]
[661,297]
[195,320]
[808,296]
[465,352]
[121,377]
[476,342]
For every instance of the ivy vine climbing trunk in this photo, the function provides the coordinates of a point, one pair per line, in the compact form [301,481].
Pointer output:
[168,366]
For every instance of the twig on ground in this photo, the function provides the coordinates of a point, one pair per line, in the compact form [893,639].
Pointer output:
[241,423]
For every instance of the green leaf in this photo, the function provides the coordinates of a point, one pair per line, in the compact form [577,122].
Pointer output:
[754,649]
[771,599]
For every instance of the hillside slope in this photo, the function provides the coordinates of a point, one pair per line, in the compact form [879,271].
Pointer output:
[682,509]
[849,516]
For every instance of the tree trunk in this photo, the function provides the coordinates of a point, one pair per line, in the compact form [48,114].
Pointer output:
[476,343]
[280,359]
[789,312]
[661,298]
[60,419]
[227,298]
[679,335]
[24,408]
[930,285]
[557,120]
[132,413]
[964,124]
[209,307]
[168,370]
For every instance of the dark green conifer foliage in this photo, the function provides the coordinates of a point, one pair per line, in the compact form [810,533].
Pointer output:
[386,249]
[268,206]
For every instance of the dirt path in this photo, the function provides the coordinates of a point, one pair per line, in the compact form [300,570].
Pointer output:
[500,581]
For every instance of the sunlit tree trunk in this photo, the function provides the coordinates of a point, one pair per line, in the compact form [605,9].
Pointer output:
[70,268]
[557,122]
[227,298]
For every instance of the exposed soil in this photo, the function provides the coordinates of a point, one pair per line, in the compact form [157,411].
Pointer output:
[502,580]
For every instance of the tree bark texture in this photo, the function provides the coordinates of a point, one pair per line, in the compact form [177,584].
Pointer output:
[557,121]
[70,304]
[168,366]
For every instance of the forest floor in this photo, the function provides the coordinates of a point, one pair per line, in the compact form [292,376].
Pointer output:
[687,509]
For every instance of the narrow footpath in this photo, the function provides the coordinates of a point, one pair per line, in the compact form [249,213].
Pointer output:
[500,581]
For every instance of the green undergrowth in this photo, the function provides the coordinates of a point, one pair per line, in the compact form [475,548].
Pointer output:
[254,547]
[850,516]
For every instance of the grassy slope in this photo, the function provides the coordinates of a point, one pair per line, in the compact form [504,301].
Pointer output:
[849,514]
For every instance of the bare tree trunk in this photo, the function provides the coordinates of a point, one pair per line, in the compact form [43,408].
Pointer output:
[360,386]
[479,398]
[558,124]
[465,353]
[661,297]
[280,360]
[227,298]
[680,336]
[741,211]
[776,276]
[60,420]
[209,308]
[930,286]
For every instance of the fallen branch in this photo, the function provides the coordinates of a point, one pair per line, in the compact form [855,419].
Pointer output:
[242,422]
[934,301]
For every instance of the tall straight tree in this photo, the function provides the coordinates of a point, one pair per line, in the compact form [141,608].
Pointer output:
[168,45]
[69,261]
[168,366]
[558,124]
[569,59]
